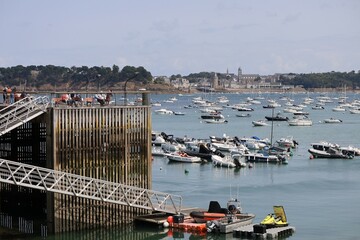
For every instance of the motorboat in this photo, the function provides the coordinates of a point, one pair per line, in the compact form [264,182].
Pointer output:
[339,109]
[300,122]
[243,115]
[332,120]
[164,111]
[350,150]
[253,143]
[245,109]
[278,117]
[157,139]
[215,115]
[287,142]
[215,212]
[325,146]
[227,161]
[354,111]
[331,152]
[301,113]
[182,157]
[260,123]
[156,151]
[179,113]
[201,150]
[215,120]
[317,107]
[258,157]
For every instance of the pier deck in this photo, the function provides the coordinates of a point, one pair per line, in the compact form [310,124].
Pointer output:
[271,233]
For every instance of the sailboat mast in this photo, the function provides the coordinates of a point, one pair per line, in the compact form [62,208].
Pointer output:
[272,127]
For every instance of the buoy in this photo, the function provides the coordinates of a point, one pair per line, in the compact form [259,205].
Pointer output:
[311,157]
[170,219]
[186,171]
[166,224]
[160,168]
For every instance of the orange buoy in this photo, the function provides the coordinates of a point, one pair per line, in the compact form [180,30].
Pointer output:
[170,219]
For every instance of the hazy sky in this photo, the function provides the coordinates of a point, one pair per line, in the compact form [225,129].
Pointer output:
[186,36]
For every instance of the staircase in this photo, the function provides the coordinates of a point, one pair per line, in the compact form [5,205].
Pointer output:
[65,183]
[21,111]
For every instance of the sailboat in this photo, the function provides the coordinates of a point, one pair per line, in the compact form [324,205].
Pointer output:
[267,155]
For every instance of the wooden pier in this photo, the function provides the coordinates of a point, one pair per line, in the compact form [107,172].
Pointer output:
[271,233]
[108,142]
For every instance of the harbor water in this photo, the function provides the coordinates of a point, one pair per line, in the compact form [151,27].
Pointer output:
[320,196]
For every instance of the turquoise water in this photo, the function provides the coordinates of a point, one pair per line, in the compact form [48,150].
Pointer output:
[320,196]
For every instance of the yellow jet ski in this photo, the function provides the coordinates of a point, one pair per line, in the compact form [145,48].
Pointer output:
[276,219]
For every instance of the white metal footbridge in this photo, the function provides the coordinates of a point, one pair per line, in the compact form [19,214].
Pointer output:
[21,111]
[85,187]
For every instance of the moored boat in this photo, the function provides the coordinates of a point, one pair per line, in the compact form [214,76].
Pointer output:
[332,120]
[232,214]
[331,152]
[183,157]
[278,117]
[300,122]
[259,123]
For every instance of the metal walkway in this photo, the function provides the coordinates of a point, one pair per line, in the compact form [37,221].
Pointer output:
[21,111]
[85,187]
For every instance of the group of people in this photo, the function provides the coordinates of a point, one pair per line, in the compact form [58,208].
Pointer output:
[10,95]
[76,99]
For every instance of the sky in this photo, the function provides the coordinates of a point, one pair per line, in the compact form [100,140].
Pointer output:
[169,37]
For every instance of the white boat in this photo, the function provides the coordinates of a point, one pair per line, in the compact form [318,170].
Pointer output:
[259,123]
[355,111]
[156,151]
[300,122]
[317,107]
[182,157]
[331,152]
[179,113]
[264,158]
[243,115]
[157,139]
[227,161]
[164,111]
[332,120]
[339,109]
[215,120]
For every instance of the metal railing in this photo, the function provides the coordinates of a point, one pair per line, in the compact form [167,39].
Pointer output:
[86,187]
[21,111]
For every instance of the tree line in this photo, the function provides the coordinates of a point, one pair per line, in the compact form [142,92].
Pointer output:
[72,78]
[58,77]
[324,80]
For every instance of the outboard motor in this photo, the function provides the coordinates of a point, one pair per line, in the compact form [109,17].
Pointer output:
[164,135]
[212,226]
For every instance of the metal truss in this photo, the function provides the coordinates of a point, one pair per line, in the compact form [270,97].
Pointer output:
[21,111]
[85,187]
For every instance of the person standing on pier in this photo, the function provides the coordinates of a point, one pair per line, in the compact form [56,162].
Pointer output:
[108,97]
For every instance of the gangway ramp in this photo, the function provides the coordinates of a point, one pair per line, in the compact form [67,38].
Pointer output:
[21,111]
[85,187]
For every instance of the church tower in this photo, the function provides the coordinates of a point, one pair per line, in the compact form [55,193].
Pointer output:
[215,82]
[239,74]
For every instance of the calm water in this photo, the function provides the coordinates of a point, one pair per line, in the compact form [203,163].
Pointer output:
[320,197]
